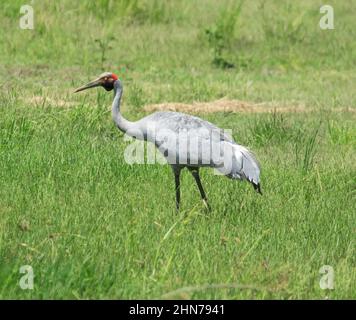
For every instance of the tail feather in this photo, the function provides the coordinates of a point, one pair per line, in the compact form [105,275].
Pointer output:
[244,166]
[250,168]
[257,187]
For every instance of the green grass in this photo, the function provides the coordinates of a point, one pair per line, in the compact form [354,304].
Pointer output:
[92,226]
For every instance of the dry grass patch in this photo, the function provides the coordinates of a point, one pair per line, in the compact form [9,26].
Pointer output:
[38,101]
[225,105]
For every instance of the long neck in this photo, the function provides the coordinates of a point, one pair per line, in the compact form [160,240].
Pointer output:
[123,124]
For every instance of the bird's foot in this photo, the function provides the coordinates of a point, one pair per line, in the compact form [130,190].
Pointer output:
[207,206]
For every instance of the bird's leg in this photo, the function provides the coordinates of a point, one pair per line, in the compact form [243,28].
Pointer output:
[195,173]
[177,184]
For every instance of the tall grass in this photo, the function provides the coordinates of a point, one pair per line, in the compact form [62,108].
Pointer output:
[93,226]
[340,133]
[221,34]
[305,150]
[271,128]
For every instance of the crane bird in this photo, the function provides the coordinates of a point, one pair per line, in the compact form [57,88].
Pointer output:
[185,141]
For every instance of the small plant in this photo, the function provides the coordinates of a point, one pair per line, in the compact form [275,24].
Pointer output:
[305,150]
[221,34]
[104,47]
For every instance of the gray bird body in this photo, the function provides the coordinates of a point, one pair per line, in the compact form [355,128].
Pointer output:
[185,141]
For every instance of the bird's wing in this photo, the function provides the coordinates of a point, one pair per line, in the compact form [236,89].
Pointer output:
[179,122]
[231,159]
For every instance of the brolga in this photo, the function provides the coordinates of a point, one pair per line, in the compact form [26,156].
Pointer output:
[185,141]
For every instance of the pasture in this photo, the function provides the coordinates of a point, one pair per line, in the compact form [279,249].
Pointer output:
[92,226]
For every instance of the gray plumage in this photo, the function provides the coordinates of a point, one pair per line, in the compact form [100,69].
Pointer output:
[187,141]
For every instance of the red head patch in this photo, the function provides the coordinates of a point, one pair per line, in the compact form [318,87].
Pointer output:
[114,76]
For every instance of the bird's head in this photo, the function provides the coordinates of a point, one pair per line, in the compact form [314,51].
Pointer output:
[106,80]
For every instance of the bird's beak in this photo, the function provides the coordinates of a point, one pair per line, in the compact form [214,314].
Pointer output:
[92,84]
